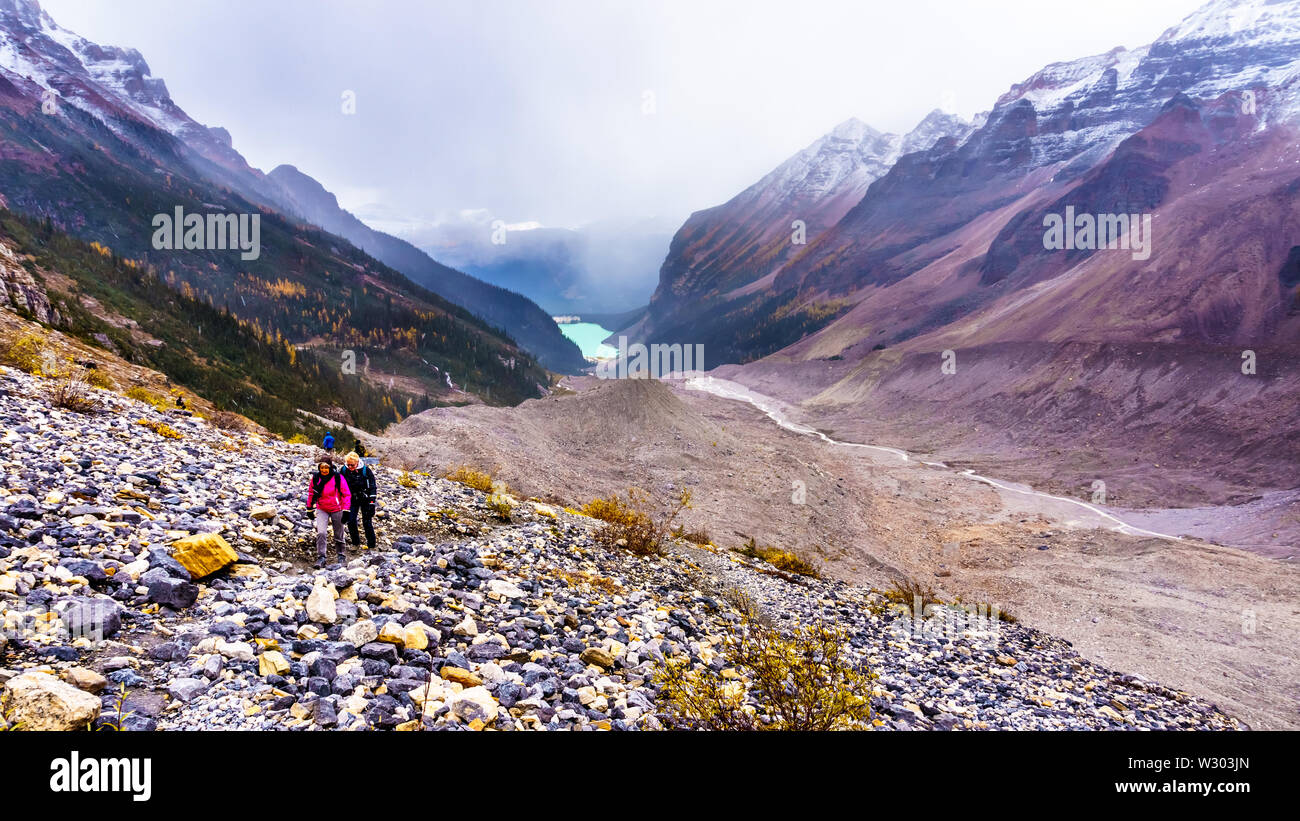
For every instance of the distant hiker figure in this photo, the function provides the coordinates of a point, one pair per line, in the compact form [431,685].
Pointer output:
[361,481]
[329,496]
[180,401]
[328,442]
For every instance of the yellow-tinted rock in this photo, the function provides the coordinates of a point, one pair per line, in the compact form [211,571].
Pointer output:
[203,554]
[461,676]
[84,679]
[393,633]
[416,637]
[1109,713]
[272,663]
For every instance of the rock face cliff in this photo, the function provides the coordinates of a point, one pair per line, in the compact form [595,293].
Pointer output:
[21,293]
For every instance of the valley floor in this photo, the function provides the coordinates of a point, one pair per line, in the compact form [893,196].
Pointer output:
[1213,620]
[458,620]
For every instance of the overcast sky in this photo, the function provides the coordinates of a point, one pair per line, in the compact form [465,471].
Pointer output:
[534,111]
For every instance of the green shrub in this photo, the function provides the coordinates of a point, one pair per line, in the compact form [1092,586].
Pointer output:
[801,681]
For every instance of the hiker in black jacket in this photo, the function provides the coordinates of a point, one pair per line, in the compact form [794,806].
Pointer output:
[361,481]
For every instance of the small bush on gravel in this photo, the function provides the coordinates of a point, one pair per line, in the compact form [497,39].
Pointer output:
[801,681]
[500,507]
[160,428]
[908,592]
[694,536]
[782,560]
[72,393]
[26,353]
[630,525]
[97,378]
[470,477]
[142,394]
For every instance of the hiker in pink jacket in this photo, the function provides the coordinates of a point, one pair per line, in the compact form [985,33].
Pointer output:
[328,494]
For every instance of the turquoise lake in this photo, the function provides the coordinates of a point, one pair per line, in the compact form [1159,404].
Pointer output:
[588,337]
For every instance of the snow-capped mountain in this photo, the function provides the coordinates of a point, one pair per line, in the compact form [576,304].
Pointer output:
[1247,48]
[732,246]
[114,85]
[1237,58]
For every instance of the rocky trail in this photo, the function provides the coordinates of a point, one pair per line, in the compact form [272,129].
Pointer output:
[186,547]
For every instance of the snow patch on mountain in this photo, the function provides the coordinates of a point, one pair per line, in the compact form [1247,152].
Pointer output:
[107,82]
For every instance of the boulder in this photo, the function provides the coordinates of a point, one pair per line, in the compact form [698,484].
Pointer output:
[467,628]
[92,618]
[416,636]
[39,701]
[475,703]
[393,633]
[185,689]
[598,657]
[203,554]
[238,650]
[254,536]
[84,679]
[263,512]
[174,593]
[460,676]
[159,558]
[505,589]
[363,632]
[434,690]
[136,569]
[320,604]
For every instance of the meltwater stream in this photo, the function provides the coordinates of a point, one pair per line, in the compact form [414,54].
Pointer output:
[727,389]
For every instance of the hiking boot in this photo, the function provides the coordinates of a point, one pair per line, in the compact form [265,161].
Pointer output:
[320,563]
